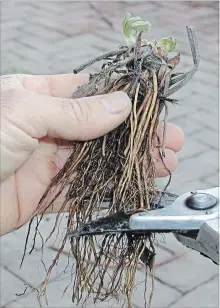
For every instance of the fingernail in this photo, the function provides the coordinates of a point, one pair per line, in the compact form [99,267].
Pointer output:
[116,102]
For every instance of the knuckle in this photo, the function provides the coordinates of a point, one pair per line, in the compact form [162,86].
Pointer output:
[10,99]
[79,110]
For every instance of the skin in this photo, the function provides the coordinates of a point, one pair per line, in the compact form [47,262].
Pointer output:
[38,116]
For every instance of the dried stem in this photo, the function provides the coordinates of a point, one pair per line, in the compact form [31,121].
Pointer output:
[100,58]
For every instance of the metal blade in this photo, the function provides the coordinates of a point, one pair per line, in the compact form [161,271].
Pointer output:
[119,222]
[187,213]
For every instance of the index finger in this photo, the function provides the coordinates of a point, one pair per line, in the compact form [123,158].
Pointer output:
[62,85]
[55,85]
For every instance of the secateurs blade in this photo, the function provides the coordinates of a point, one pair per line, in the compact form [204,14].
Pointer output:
[192,217]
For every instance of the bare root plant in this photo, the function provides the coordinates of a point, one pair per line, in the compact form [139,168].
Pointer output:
[119,166]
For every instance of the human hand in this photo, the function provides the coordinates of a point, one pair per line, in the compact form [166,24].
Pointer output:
[37,113]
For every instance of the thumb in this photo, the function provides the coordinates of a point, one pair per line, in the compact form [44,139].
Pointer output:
[81,119]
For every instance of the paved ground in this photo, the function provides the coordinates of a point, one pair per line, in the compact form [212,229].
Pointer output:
[54,37]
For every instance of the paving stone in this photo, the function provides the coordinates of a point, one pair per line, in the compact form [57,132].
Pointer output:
[204,76]
[187,272]
[187,126]
[27,53]
[209,91]
[169,242]
[210,157]
[56,298]
[36,46]
[56,288]
[32,270]
[42,32]
[8,37]
[210,138]
[191,148]
[204,104]
[202,297]
[8,25]
[85,42]
[10,286]
[178,111]
[14,305]
[207,119]
[49,6]
[201,168]
[28,67]
[206,12]
[177,186]
[162,255]
[212,180]
[162,296]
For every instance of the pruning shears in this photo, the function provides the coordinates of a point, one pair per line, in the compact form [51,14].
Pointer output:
[192,217]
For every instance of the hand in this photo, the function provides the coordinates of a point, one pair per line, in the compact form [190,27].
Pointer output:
[37,113]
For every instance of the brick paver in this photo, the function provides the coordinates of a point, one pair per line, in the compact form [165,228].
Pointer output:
[54,37]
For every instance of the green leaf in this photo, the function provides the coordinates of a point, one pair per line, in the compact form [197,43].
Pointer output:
[132,26]
[167,44]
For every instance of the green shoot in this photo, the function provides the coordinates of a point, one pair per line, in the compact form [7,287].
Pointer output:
[132,26]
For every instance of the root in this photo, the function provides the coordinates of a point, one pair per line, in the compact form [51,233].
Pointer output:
[119,167]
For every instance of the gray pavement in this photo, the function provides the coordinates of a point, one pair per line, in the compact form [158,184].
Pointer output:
[54,37]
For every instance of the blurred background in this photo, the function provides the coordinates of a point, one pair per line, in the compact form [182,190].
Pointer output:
[42,37]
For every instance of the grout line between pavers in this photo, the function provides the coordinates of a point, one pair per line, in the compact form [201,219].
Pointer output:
[17,276]
[191,290]
[203,178]
[170,259]
[22,280]
[25,294]
[102,16]
[166,249]
[194,156]
[169,285]
[210,146]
